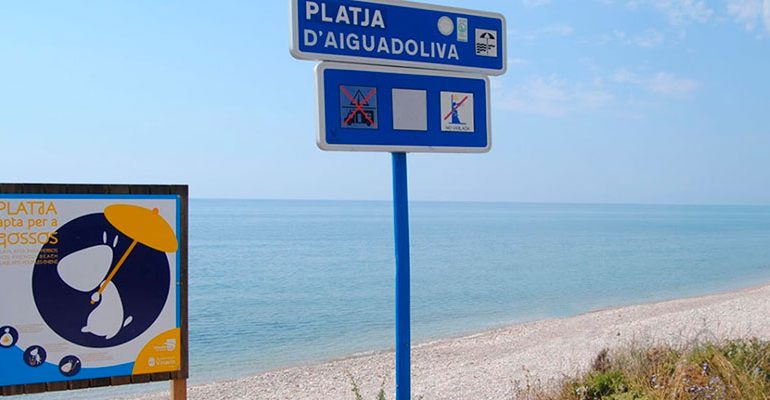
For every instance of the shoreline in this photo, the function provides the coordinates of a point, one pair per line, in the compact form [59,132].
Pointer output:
[488,364]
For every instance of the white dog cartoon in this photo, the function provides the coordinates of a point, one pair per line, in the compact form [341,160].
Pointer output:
[85,270]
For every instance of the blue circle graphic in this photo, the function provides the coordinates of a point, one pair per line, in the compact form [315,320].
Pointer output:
[8,337]
[141,286]
[69,366]
[35,356]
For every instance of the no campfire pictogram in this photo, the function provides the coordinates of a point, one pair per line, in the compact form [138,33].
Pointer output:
[358,107]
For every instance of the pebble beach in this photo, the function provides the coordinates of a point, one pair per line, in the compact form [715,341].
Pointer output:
[492,364]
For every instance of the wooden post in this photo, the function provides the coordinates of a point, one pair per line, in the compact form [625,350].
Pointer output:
[179,389]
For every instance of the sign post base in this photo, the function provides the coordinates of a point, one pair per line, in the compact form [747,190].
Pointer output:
[179,389]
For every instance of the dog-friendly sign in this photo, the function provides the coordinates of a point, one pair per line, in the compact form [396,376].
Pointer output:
[399,33]
[368,108]
[90,285]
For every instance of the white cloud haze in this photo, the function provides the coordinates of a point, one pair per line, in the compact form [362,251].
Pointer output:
[663,83]
[555,30]
[750,13]
[535,3]
[678,12]
[553,97]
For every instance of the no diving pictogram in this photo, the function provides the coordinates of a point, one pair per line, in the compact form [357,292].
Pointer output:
[358,107]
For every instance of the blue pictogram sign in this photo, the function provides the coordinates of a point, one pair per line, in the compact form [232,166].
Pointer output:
[370,108]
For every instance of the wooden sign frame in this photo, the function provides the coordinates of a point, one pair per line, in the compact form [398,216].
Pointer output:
[179,377]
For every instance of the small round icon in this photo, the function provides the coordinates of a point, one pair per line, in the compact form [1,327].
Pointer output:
[34,356]
[69,366]
[446,26]
[8,337]
[462,27]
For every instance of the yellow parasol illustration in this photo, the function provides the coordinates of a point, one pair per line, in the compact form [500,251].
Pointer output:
[143,226]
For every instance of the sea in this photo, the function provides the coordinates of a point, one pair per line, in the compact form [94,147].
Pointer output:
[275,283]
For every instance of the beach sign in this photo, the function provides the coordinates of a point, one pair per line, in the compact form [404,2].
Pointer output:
[399,33]
[92,286]
[372,108]
[400,77]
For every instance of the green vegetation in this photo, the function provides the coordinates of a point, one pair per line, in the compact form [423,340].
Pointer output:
[380,395]
[357,391]
[735,370]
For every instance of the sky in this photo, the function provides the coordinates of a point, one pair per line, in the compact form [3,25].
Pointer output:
[604,101]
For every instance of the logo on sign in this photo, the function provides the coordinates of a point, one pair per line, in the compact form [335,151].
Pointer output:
[457,112]
[486,43]
[446,26]
[358,107]
[462,29]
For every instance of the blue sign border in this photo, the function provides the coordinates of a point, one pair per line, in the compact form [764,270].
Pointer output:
[415,14]
[332,137]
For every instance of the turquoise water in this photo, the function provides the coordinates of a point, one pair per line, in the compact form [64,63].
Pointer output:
[277,283]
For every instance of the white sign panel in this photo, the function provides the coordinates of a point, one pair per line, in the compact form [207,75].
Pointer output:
[89,287]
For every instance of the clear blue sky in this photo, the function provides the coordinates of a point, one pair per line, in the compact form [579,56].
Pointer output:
[630,101]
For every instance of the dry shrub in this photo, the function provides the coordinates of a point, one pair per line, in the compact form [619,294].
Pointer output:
[734,370]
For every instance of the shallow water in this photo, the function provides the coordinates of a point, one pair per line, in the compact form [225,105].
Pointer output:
[277,283]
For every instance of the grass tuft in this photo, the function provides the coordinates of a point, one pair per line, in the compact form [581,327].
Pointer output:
[734,370]
[357,390]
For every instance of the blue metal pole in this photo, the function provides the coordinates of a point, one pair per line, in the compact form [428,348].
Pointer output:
[401,229]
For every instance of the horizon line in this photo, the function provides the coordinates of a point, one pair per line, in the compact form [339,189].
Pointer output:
[565,203]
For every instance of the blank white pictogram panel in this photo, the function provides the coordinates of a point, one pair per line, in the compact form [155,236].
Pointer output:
[410,110]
